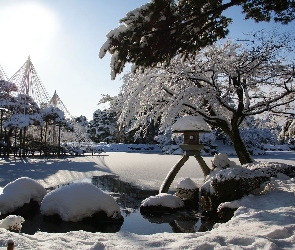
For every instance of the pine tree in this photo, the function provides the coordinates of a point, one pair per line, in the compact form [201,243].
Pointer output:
[162,29]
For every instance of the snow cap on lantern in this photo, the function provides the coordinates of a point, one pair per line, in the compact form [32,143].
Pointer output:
[190,126]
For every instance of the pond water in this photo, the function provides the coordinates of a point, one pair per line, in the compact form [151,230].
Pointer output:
[129,198]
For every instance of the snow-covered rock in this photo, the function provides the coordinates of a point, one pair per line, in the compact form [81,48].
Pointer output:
[19,192]
[163,201]
[12,222]
[188,192]
[187,183]
[78,201]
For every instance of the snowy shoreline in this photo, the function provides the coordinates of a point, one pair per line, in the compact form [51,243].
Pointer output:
[260,222]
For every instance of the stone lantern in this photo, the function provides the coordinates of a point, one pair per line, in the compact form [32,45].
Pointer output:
[191,127]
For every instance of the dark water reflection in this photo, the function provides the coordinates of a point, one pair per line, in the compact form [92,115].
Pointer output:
[129,198]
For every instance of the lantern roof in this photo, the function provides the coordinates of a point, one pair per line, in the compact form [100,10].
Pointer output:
[190,124]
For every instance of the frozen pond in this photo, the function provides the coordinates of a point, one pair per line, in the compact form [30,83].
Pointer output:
[142,169]
[146,171]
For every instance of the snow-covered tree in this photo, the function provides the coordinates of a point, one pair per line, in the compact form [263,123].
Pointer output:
[287,133]
[162,29]
[22,112]
[82,120]
[7,101]
[258,131]
[100,126]
[25,119]
[6,89]
[224,83]
[55,117]
[103,126]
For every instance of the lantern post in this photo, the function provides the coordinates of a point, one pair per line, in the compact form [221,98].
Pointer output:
[191,127]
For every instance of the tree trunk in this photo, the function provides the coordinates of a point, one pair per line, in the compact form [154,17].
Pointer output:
[8,140]
[45,139]
[240,147]
[24,142]
[20,142]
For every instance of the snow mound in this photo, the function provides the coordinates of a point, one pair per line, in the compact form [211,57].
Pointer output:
[15,194]
[187,183]
[12,222]
[164,200]
[77,201]
[221,161]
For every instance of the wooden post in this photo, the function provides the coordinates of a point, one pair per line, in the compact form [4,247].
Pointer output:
[10,245]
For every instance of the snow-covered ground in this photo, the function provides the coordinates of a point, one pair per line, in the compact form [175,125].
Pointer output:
[260,222]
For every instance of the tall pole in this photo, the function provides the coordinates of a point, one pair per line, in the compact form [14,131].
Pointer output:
[59,139]
[1,110]
[54,101]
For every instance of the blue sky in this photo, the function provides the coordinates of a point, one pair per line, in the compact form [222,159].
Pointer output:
[63,39]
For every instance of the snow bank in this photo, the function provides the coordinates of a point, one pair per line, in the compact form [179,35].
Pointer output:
[15,194]
[164,200]
[77,201]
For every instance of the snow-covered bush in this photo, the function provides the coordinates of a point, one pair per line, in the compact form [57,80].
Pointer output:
[15,194]
[221,161]
[232,183]
[72,149]
[254,137]
[78,201]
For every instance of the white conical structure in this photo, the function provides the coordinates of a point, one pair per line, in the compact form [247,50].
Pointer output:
[56,102]
[29,83]
[80,132]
